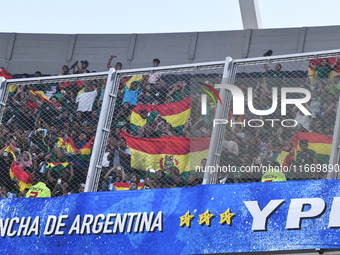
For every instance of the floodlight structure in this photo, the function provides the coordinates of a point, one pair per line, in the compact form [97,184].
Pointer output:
[250,13]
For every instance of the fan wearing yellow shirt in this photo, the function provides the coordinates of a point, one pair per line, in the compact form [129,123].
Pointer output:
[39,189]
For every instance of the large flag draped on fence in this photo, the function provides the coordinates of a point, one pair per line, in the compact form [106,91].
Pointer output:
[162,153]
[22,179]
[175,113]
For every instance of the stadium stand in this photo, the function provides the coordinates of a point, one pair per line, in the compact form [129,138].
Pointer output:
[157,128]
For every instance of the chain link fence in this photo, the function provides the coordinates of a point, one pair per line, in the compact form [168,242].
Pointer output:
[159,137]
[48,126]
[277,147]
[157,124]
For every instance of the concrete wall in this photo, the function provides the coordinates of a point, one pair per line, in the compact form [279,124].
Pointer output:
[21,53]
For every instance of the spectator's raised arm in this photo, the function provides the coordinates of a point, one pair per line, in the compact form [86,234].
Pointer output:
[266,67]
[187,127]
[294,111]
[20,92]
[183,84]
[37,101]
[109,62]
[72,172]
[312,65]
[49,176]
[123,174]
[106,177]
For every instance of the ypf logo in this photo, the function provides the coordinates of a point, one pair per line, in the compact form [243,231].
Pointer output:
[239,100]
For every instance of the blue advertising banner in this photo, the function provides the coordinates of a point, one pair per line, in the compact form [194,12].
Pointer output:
[194,220]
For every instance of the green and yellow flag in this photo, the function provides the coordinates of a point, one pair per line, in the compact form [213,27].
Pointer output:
[57,166]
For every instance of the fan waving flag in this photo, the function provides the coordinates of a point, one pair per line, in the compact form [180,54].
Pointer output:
[175,113]
[3,73]
[43,97]
[163,153]
[8,149]
[22,179]
[83,153]
[57,166]
[125,185]
[284,156]
[321,144]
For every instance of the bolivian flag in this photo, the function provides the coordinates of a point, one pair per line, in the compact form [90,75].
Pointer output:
[162,153]
[175,113]
[125,185]
[42,96]
[136,78]
[8,149]
[281,155]
[57,166]
[3,73]
[12,89]
[22,179]
[321,144]
[84,152]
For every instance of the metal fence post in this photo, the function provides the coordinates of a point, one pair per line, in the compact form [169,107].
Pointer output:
[3,97]
[334,157]
[218,131]
[96,157]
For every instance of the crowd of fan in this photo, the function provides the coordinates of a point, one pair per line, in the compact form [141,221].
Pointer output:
[33,128]
[153,89]
[244,146]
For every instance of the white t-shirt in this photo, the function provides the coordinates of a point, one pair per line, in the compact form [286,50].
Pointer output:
[106,162]
[86,101]
[231,146]
[128,151]
[154,77]
[304,120]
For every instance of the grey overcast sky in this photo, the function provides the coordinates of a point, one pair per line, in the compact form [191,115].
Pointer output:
[162,16]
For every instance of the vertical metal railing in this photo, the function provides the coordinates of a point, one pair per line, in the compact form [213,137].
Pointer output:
[3,95]
[103,130]
[334,157]
[229,75]
[218,130]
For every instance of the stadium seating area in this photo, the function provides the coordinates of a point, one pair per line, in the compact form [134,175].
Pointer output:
[158,136]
